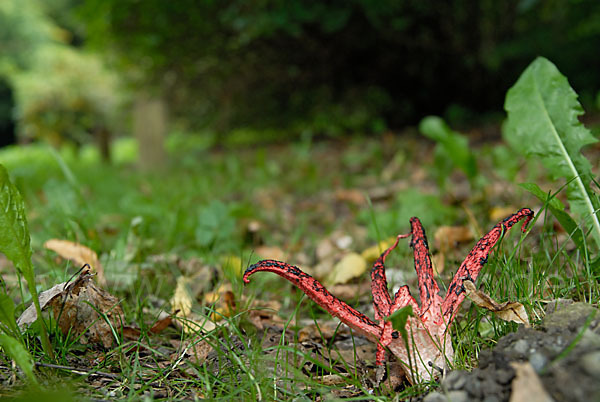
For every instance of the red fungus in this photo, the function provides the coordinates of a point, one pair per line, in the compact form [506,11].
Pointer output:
[429,342]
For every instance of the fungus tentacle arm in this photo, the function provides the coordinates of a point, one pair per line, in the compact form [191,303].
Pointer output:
[472,265]
[428,287]
[317,292]
[382,302]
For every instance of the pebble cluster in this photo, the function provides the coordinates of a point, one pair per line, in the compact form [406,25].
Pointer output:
[564,352]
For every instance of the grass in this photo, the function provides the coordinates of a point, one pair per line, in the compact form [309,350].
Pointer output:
[200,207]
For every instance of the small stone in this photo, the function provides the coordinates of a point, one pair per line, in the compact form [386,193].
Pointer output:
[457,396]
[538,361]
[504,376]
[474,388]
[491,398]
[455,380]
[557,304]
[590,362]
[435,397]
[521,346]
[589,340]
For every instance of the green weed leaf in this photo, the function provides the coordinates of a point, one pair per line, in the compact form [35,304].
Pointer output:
[15,242]
[399,318]
[558,210]
[543,123]
[20,355]
[452,145]
[7,314]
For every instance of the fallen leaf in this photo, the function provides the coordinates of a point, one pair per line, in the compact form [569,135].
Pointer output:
[264,313]
[270,253]
[498,213]
[447,237]
[325,330]
[352,265]
[223,302]
[161,324]
[30,314]
[81,309]
[372,253]
[79,254]
[181,306]
[527,386]
[352,196]
[195,351]
[87,310]
[438,261]
[508,311]
[181,302]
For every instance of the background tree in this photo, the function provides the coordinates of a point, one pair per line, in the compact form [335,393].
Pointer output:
[341,66]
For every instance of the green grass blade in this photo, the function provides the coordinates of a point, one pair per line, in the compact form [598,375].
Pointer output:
[543,123]
[20,355]
[15,242]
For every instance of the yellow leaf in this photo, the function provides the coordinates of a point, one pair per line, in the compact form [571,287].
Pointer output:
[79,254]
[350,266]
[181,302]
[181,306]
[372,253]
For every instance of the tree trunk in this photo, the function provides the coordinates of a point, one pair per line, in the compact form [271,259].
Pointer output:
[150,129]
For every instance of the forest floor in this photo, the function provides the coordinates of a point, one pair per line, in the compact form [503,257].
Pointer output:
[170,247]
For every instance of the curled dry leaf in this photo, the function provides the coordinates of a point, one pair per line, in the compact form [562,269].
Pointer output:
[79,254]
[81,309]
[508,311]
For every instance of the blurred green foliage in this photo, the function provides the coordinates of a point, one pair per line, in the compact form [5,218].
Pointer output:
[341,66]
[61,93]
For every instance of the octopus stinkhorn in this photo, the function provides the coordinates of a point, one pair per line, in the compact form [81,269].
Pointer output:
[429,345]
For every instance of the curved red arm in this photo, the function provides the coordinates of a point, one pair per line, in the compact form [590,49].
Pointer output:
[317,292]
[472,265]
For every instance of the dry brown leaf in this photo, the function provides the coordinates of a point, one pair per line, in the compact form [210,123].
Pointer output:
[499,213]
[508,311]
[447,237]
[195,350]
[82,310]
[321,330]
[271,253]
[352,265]
[161,324]
[527,386]
[264,313]
[30,314]
[79,254]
